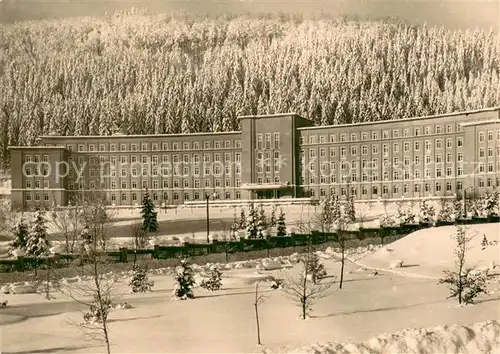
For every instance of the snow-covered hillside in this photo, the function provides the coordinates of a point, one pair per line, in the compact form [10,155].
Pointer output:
[481,337]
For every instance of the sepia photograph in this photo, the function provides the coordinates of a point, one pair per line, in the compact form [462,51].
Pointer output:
[250,176]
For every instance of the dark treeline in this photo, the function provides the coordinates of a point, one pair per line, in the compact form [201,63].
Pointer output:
[170,73]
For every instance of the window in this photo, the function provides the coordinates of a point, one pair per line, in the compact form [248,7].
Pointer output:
[364,136]
[277,140]
[481,137]
[460,170]
[185,145]
[196,145]
[490,151]
[427,130]
[343,138]
[322,139]
[416,188]
[332,138]
[123,185]
[407,146]
[374,149]
[460,141]
[385,149]
[322,152]
[217,145]
[448,157]
[439,143]
[448,143]
[490,136]
[395,133]
[406,132]
[460,156]
[343,152]
[354,137]
[417,131]
[206,145]
[374,135]
[354,150]
[374,190]
[481,152]
[385,134]
[237,144]
[312,139]
[395,147]
[438,187]
[364,150]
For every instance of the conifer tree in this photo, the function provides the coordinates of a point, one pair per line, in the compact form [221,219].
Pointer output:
[21,236]
[252,227]
[281,224]
[215,280]
[185,281]
[272,219]
[350,212]
[261,222]
[335,207]
[426,212]
[149,215]
[37,244]
[243,220]
[139,282]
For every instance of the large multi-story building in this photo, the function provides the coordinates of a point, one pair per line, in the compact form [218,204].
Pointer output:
[273,156]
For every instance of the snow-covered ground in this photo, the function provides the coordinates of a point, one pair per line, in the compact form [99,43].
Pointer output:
[223,321]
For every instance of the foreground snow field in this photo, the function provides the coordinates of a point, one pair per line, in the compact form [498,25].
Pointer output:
[223,321]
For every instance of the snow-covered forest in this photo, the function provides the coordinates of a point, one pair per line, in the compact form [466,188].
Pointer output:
[168,73]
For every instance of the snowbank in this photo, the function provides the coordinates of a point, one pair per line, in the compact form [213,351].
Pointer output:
[481,337]
[428,252]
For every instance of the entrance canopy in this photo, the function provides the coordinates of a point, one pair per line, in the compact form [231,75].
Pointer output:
[263,187]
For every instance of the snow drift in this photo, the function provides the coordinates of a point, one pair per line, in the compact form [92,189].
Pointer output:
[481,337]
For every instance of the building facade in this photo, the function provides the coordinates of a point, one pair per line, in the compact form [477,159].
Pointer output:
[273,156]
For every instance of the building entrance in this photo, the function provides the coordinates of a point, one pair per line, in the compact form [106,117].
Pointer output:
[268,194]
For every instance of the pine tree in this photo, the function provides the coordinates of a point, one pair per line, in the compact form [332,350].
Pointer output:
[280,224]
[491,203]
[37,244]
[426,213]
[336,208]
[445,212]
[243,220]
[252,228]
[139,282]
[185,281]
[214,282]
[272,219]
[21,236]
[149,215]
[261,222]
[350,211]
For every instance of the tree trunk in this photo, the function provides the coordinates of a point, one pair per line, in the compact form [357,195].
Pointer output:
[342,261]
[102,306]
[48,280]
[256,304]
[257,320]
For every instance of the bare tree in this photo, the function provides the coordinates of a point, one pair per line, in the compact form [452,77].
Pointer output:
[140,237]
[303,290]
[465,283]
[96,293]
[342,225]
[259,299]
[69,222]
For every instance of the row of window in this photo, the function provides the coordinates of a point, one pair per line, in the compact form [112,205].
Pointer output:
[218,183]
[417,188]
[186,145]
[386,134]
[396,163]
[385,148]
[269,144]
[134,197]
[396,175]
